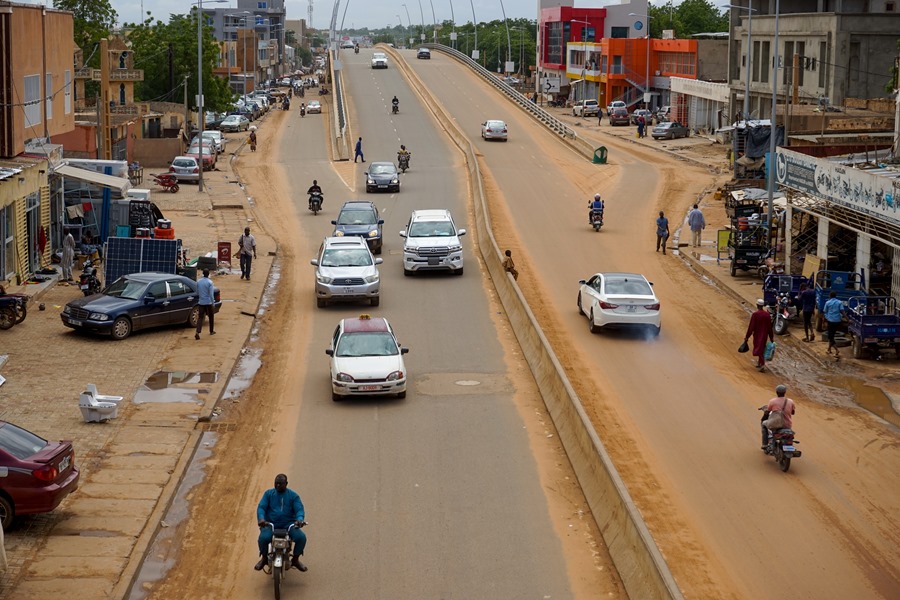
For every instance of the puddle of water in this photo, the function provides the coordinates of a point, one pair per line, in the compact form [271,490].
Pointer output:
[244,372]
[869,397]
[167,395]
[164,379]
[162,552]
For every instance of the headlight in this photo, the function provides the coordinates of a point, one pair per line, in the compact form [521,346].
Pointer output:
[370,181]
[395,376]
[456,248]
[344,378]
[338,234]
[395,180]
[372,278]
[323,279]
[67,310]
[98,317]
[373,233]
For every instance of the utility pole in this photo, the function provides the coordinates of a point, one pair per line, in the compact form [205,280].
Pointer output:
[105,142]
[187,112]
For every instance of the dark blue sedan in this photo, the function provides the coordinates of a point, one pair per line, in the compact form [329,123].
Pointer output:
[360,218]
[137,301]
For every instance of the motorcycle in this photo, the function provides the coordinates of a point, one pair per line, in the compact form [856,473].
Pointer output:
[315,203]
[403,160]
[13,309]
[395,108]
[356,50]
[323,91]
[768,265]
[166,181]
[279,555]
[782,446]
[302,111]
[596,217]
[782,312]
[555,103]
[88,282]
[286,104]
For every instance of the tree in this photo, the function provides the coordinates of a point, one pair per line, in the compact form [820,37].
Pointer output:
[892,84]
[93,20]
[686,19]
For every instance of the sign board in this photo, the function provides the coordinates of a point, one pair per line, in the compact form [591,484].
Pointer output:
[453,36]
[722,241]
[845,186]
[648,97]
[198,99]
[422,36]
[476,54]
[550,85]
[224,253]
[412,41]
[811,264]
[510,66]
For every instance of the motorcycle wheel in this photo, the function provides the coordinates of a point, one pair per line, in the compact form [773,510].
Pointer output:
[733,268]
[762,271]
[857,347]
[7,318]
[277,573]
[784,463]
[21,312]
[780,325]
[174,189]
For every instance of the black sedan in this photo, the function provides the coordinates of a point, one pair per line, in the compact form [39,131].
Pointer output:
[137,301]
[382,176]
[670,131]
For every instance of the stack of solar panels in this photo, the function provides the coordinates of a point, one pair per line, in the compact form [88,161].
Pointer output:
[139,255]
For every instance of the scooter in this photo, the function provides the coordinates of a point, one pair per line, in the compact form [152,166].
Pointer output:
[323,91]
[88,282]
[356,50]
[395,108]
[280,549]
[596,217]
[769,266]
[302,110]
[403,162]
[782,446]
[315,203]
[782,312]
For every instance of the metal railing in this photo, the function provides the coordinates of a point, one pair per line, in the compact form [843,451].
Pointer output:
[539,113]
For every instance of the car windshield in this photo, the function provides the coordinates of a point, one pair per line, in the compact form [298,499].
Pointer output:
[356,217]
[183,163]
[19,442]
[627,286]
[383,169]
[346,257]
[126,288]
[367,344]
[495,124]
[431,229]
[665,125]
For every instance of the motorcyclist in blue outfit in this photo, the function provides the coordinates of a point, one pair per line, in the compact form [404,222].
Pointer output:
[595,206]
[281,507]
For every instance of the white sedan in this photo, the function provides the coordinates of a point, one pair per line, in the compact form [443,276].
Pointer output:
[625,299]
[494,130]
[366,359]
[314,106]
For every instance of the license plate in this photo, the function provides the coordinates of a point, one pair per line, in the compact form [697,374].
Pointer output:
[84,286]
[382,186]
[64,463]
[787,448]
[632,309]
[434,261]
[75,322]
[369,388]
[348,290]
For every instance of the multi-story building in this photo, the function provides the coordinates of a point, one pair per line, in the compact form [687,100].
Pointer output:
[36,104]
[845,48]
[266,20]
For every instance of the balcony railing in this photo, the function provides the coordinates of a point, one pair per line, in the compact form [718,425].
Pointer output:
[85,73]
[126,75]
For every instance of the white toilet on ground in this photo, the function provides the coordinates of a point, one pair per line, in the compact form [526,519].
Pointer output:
[96,408]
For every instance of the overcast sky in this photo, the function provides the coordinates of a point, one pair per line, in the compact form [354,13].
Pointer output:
[361,13]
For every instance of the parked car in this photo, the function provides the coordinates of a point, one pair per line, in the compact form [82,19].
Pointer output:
[360,218]
[242,111]
[235,123]
[185,168]
[314,106]
[423,53]
[432,242]
[346,271]
[37,473]
[210,154]
[663,114]
[614,105]
[213,119]
[670,130]
[619,299]
[215,138]
[366,359]
[379,60]
[586,108]
[493,129]
[619,116]
[382,176]
[510,80]
[134,302]
[347,44]
[642,112]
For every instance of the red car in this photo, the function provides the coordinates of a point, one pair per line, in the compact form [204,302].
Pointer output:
[35,474]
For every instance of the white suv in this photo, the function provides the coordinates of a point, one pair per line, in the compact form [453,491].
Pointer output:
[379,60]
[432,243]
[586,108]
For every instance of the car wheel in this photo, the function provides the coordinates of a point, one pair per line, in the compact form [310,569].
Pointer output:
[656,331]
[580,310]
[407,272]
[321,302]
[458,272]
[121,328]
[591,325]
[402,395]
[377,250]
[194,317]
[7,512]
[376,301]
[336,397]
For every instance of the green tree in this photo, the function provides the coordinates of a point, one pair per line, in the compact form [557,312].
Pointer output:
[93,21]
[688,18]
[892,84]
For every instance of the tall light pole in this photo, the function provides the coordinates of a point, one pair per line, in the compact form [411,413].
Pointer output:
[434,18]
[408,20]
[772,128]
[453,23]
[521,31]
[422,15]
[474,24]
[647,94]
[750,10]
[508,42]
[584,65]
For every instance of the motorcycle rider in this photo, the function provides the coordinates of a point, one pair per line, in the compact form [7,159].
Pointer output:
[395,104]
[595,206]
[315,189]
[280,507]
[303,109]
[403,152]
[787,408]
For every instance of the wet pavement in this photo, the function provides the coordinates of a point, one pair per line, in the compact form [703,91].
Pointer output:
[133,466]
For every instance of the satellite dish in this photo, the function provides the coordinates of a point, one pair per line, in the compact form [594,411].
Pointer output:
[638,25]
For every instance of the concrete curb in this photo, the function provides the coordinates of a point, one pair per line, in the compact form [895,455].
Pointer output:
[638,559]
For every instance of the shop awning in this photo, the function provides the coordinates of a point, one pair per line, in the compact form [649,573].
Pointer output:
[119,184]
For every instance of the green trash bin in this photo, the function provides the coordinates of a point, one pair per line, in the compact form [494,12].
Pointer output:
[600,155]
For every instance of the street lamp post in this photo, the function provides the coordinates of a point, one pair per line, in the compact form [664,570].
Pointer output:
[508,41]
[647,80]
[584,61]
[474,24]
[771,187]
[434,18]
[422,15]
[750,10]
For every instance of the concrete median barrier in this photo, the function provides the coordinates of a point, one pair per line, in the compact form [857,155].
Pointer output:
[638,559]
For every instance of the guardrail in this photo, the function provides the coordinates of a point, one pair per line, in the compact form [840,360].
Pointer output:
[341,148]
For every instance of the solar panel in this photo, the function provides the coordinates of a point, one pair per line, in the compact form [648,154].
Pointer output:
[137,255]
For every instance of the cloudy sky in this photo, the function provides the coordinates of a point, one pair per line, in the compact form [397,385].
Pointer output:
[361,13]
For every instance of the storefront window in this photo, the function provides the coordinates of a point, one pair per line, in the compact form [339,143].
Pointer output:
[7,251]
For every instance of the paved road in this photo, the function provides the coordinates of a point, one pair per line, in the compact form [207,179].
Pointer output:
[679,412]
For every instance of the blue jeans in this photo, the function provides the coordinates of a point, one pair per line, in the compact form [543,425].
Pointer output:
[246,262]
[297,536]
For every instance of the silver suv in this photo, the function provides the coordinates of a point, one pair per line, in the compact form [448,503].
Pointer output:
[346,271]
[432,243]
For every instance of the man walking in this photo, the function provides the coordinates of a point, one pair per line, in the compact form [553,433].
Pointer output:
[697,223]
[599,117]
[68,257]
[206,293]
[359,152]
[247,251]
[662,231]
[833,311]
[807,301]
[642,124]
[760,328]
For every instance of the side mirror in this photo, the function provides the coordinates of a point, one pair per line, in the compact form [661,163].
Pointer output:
[4,471]
[329,352]
[314,262]
[403,233]
[334,222]
[148,299]
[381,221]
[461,232]
[582,281]
[404,350]
[379,261]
